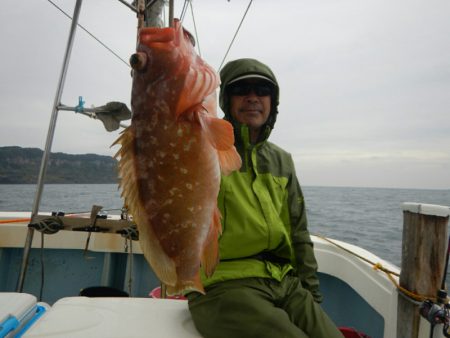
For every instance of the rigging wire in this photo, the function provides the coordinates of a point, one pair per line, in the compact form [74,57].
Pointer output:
[184,10]
[182,16]
[128,5]
[92,35]
[235,34]
[195,29]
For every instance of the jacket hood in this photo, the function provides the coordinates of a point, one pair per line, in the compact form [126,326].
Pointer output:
[240,68]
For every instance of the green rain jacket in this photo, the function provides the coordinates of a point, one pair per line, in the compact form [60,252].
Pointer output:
[263,212]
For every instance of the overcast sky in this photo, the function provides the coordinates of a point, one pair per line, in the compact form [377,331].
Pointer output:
[365,85]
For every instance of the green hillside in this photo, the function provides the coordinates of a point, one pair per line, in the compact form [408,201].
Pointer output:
[21,165]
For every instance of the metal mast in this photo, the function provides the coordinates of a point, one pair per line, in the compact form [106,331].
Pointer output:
[48,145]
[153,17]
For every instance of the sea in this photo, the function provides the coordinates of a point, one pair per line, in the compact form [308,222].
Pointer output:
[371,218]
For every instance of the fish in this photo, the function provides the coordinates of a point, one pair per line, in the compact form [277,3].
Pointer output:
[172,155]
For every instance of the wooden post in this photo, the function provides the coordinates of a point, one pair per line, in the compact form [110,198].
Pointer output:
[424,247]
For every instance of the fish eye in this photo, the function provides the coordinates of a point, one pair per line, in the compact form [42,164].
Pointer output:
[138,61]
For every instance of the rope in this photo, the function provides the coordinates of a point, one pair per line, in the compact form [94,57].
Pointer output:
[41,289]
[130,234]
[411,296]
[17,220]
[379,266]
[414,296]
[48,226]
[130,262]
[235,34]
[25,220]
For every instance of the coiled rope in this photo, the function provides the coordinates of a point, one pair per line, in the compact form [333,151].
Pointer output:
[48,226]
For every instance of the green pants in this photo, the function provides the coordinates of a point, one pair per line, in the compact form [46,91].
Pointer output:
[260,307]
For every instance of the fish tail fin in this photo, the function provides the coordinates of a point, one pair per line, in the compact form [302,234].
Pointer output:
[220,133]
[210,256]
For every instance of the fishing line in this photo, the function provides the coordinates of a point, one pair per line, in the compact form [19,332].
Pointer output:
[235,34]
[92,35]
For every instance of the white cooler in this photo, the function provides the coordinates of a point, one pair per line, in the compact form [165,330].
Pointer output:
[18,311]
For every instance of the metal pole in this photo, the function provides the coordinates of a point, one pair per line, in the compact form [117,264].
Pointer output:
[154,13]
[171,12]
[48,145]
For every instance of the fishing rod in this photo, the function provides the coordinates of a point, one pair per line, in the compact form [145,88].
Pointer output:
[439,312]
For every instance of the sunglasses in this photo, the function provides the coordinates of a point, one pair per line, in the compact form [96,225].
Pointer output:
[243,89]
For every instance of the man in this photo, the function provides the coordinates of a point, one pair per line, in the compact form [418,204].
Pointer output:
[265,284]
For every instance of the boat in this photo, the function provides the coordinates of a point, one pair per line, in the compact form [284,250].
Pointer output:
[357,285]
[86,276]
[369,296]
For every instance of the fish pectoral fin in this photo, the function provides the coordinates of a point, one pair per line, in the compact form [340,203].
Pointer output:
[210,257]
[220,133]
[229,161]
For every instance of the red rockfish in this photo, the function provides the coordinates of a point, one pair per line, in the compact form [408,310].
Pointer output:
[172,155]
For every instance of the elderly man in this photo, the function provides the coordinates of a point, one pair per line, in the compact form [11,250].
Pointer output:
[265,284]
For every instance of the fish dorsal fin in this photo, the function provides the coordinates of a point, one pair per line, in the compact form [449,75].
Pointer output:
[220,133]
